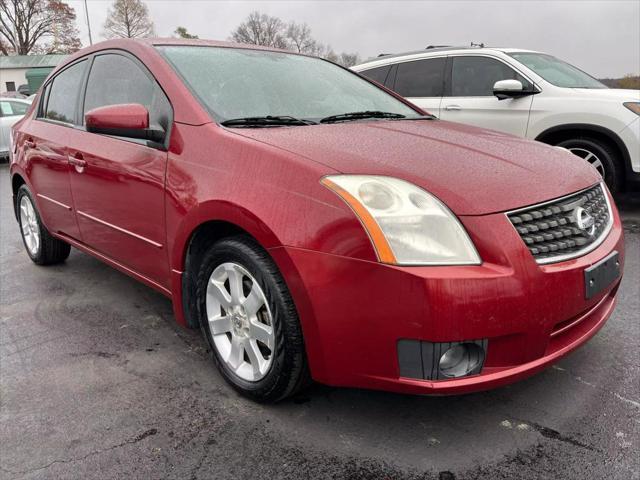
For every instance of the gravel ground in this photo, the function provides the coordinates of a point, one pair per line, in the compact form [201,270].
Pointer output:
[97,381]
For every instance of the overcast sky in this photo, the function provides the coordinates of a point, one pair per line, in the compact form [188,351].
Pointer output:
[601,37]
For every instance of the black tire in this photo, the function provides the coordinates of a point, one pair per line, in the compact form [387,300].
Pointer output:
[50,250]
[613,171]
[288,372]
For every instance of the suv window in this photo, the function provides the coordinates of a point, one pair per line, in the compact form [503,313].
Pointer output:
[475,76]
[421,78]
[8,108]
[378,74]
[63,94]
[116,79]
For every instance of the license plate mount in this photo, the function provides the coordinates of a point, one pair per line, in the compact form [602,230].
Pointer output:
[602,274]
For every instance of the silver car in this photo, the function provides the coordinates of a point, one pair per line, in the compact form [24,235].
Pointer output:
[11,110]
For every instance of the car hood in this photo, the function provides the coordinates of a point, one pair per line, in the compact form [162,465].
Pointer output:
[474,171]
[617,94]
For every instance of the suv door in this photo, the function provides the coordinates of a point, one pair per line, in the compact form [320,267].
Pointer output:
[469,95]
[118,183]
[43,143]
[421,82]
[378,74]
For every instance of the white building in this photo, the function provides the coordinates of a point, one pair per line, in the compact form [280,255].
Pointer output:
[16,70]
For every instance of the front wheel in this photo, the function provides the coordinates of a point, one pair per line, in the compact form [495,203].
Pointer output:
[601,156]
[249,321]
[42,247]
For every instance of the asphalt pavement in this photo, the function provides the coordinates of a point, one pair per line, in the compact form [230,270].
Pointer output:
[98,381]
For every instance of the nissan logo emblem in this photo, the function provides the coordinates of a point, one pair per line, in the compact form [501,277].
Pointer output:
[585,221]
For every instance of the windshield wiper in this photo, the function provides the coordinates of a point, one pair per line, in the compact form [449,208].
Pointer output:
[266,121]
[345,117]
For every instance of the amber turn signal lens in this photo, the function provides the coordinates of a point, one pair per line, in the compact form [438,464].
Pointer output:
[380,244]
[633,106]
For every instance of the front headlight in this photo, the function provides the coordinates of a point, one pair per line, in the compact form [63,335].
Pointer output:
[407,225]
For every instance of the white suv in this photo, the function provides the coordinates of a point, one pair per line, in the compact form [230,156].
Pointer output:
[524,93]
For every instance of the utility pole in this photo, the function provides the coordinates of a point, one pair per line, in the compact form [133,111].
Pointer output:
[86,12]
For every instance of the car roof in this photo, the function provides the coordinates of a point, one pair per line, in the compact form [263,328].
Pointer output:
[433,51]
[196,42]
[136,44]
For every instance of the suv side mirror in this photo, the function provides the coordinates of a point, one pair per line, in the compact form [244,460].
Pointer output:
[124,120]
[509,89]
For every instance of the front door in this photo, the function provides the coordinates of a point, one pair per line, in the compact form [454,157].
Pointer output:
[470,98]
[45,139]
[117,182]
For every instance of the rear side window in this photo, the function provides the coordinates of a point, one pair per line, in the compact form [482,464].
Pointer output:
[378,74]
[422,78]
[63,94]
[8,108]
[475,76]
[115,79]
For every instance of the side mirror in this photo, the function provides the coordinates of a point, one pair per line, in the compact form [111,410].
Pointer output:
[124,120]
[508,89]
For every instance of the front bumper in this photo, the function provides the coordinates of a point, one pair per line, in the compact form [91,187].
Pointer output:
[354,312]
[631,138]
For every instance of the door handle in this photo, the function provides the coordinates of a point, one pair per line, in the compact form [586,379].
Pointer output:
[78,162]
[453,107]
[29,143]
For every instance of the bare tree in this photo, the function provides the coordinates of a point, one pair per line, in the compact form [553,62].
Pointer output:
[348,59]
[25,24]
[299,38]
[128,19]
[329,54]
[261,29]
[182,32]
[5,48]
[64,33]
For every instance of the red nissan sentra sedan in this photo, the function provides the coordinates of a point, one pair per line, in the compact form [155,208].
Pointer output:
[313,224]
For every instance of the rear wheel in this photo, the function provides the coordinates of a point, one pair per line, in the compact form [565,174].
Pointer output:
[249,320]
[41,247]
[601,156]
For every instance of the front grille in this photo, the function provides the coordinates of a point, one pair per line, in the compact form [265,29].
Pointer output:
[561,229]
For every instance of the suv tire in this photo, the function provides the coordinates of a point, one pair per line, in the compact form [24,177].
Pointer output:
[600,155]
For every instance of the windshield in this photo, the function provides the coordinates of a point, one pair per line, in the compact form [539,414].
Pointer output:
[236,83]
[557,72]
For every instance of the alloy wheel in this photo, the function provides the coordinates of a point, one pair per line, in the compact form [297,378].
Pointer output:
[590,157]
[29,225]
[240,321]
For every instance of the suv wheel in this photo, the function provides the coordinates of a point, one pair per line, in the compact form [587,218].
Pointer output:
[601,156]
[249,321]
[43,249]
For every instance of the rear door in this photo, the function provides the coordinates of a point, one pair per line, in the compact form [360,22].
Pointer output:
[469,98]
[421,82]
[44,141]
[117,182]
[378,74]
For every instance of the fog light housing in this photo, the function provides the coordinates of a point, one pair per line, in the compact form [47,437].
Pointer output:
[441,361]
[460,360]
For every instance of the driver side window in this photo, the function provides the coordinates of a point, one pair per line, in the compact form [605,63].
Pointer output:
[475,76]
[115,79]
